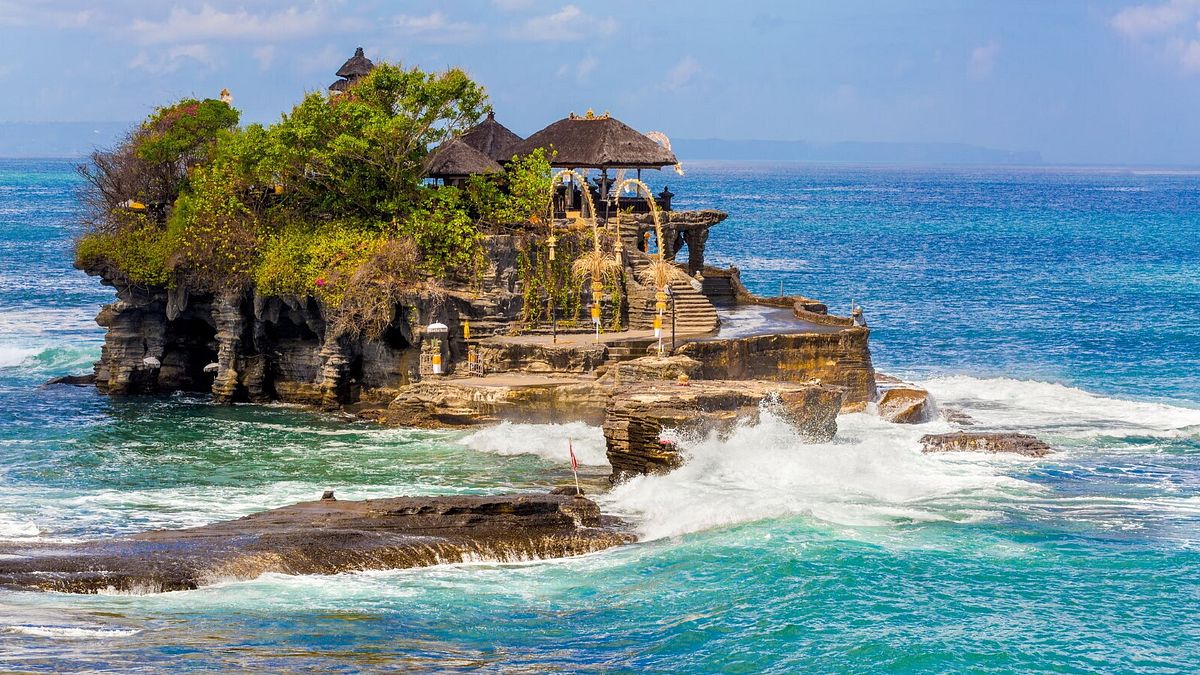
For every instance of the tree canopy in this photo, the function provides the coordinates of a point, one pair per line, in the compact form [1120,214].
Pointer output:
[330,195]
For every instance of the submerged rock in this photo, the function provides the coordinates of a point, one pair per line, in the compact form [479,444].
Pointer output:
[320,537]
[906,405]
[1019,444]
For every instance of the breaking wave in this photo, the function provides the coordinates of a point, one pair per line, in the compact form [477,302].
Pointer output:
[548,441]
[871,474]
[1059,410]
[48,360]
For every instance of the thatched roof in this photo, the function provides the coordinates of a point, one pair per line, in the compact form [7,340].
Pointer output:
[454,159]
[492,139]
[340,85]
[597,142]
[356,66]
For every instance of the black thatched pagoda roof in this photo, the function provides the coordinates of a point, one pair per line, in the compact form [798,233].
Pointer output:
[492,139]
[356,66]
[597,142]
[456,159]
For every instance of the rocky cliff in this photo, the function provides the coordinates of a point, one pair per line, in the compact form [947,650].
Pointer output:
[840,357]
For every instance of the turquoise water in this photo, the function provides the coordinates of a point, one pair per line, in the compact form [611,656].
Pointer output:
[1065,303]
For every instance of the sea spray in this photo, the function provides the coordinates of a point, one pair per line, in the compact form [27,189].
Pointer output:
[548,441]
[1057,410]
[871,474]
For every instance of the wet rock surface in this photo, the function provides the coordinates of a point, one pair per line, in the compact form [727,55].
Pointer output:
[88,380]
[1019,444]
[327,536]
[638,414]
[906,405]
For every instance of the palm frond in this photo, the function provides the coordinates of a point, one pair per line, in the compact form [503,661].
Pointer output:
[595,265]
[660,273]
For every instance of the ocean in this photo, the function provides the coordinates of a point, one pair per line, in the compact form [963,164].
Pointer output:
[1059,302]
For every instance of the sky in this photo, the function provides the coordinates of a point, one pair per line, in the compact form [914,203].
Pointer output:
[1081,82]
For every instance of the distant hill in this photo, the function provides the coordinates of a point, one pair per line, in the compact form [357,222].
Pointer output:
[850,151]
[58,139]
[75,139]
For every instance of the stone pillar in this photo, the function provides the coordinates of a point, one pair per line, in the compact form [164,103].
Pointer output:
[335,372]
[134,341]
[696,240]
[230,325]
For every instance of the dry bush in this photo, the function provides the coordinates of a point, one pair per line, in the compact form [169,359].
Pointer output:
[389,276]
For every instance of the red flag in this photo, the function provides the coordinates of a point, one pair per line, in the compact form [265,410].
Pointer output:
[574,462]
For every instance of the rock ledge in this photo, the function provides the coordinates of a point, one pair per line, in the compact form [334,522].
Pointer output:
[1019,444]
[320,537]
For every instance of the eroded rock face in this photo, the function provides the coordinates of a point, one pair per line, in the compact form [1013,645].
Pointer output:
[449,403]
[906,405]
[320,537]
[663,368]
[638,414]
[841,358]
[1019,444]
[508,356]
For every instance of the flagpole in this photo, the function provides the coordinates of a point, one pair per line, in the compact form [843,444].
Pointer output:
[574,467]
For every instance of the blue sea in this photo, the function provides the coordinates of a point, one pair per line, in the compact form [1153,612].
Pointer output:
[1059,302]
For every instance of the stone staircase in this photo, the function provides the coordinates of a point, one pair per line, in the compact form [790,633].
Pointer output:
[694,313]
[718,288]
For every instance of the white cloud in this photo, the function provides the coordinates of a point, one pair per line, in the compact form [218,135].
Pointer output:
[567,24]
[25,13]
[1145,20]
[983,60]
[681,74]
[513,5]
[1188,53]
[210,23]
[173,58]
[586,67]
[435,28]
[1168,28]
[265,55]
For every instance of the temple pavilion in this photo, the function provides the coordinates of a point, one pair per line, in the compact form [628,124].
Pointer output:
[354,69]
[579,142]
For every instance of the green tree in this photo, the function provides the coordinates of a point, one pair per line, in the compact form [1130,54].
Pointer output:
[359,154]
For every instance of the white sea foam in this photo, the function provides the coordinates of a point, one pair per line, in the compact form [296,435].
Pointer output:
[11,528]
[1059,410]
[548,441]
[13,355]
[71,632]
[872,474]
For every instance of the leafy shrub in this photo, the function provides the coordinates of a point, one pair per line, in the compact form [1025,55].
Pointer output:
[215,233]
[140,251]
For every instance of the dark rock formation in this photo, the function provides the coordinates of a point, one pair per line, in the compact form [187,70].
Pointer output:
[320,537]
[638,414]
[1020,444]
[906,405]
[73,380]
[839,357]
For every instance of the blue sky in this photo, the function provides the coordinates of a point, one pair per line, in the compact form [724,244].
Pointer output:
[1081,82]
